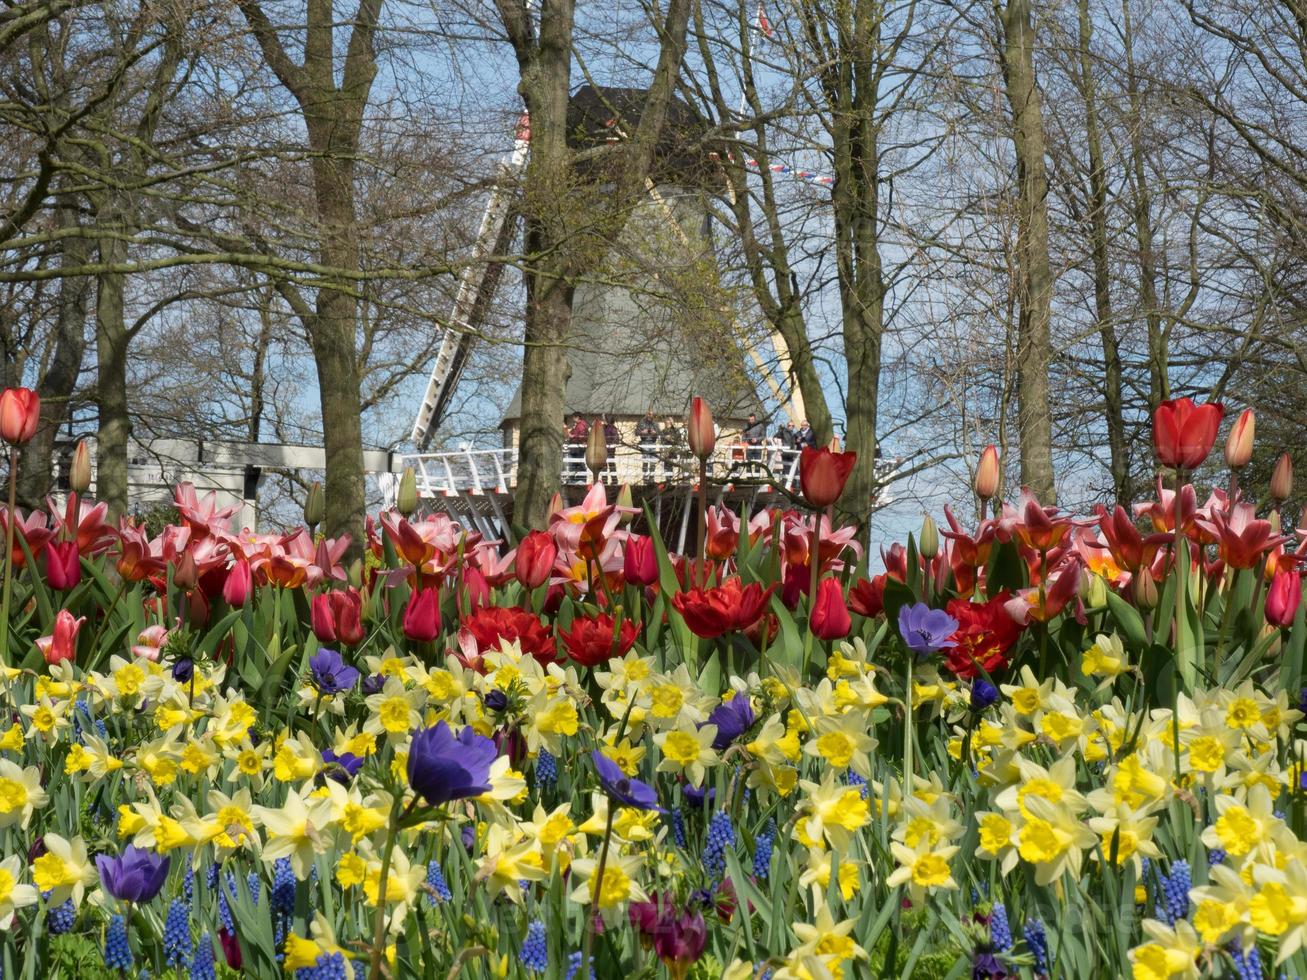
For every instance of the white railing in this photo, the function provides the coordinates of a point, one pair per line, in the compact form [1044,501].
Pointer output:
[478,471]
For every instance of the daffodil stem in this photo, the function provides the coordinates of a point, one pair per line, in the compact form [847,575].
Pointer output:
[597,895]
[1184,656]
[9,554]
[907,730]
[379,918]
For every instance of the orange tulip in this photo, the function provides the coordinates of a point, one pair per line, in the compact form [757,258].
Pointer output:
[1239,444]
[987,473]
[700,432]
[1183,432]
[1282,478]
[822,474]
[20,410]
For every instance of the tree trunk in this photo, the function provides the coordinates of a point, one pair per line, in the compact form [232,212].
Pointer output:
[1114,420]
[111,344]
[1035,278]
[57,383]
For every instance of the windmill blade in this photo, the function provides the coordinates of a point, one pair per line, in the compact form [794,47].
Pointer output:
[476,288]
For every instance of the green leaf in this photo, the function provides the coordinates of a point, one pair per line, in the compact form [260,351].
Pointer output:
[897,595]
[1007,570]
[1128,621]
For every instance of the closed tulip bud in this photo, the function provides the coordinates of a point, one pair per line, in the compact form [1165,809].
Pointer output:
[928,543]
[236,590]
[185,575]
[79,471]
[63,566]
[596,449]
[822,475]
[700,432]
[625,499]
[1093,589]
[20,410]
[422,616]
[1239,444]
[987,473]
[829,619]
[1283,598]
[555,504]
[406,500]
[1282,478]
[534,562]
[321,619]
[1145,589]
[315,505]
[640,563]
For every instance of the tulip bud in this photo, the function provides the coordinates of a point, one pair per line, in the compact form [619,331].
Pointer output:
[1239,444]
[928,542]
[596,449]
[355,573]
[640,563]
[20,410]
[185,575]
[79,471]
[314,505]
[1282,478]
[534,562]
[1283,598]
[422,616]
[406,500]
[63,567]
[987,473]
[1093,589]
[236,590]
[1145,589]
[555,504]
[700,432]
[321,618]
[625,499]
[829,618]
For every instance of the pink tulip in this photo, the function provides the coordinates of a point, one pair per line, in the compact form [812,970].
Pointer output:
[149,642]
[63,566]
[700,433]
[236,590]
[422,616]
[20,410]
[1283,598]
[62,644]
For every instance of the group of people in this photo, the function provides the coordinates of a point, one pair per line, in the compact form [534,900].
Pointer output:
[661,442]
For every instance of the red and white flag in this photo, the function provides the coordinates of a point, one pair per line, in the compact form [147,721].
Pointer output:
[764,24]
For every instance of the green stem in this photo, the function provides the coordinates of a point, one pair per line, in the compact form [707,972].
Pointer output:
[379,919]
[1184,655]
[9,556]
[814,564]
[907,731]
[597,894]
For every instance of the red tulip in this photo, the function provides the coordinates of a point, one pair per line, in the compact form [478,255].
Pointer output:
[730,606]
[495,625]
[867,597]
[593,640]
[20,410]
[236,590]
[640,564]
[534,561]
[231,948]
[984,635]
[63,566]
[1183,433]
[700,433]
[987,473]
[62,644]
[1239,443]
[829,619]
[822,474]
[422,616]
[1129,547]
[475,588]
[1283,598]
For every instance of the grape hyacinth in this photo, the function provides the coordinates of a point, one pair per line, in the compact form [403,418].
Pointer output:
[177,933]
[202,966]
[574,967]
[762,851]
[1037,943]
[329,966]
[721,835]
[1248,965]
[211,877]
[1174,904]
[546,769]
[61,918]
[678,828]
[534,953]
[1000,931]
[856,780]
[436,882]
[117,952]
[283,887]
[255,885]
[188,883]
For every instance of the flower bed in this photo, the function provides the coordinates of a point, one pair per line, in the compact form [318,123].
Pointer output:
[1001,756]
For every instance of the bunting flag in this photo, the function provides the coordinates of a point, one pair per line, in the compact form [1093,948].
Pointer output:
[764,25]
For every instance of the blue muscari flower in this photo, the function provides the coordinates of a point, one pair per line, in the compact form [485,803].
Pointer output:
[546,769]
[1000,932]
[202,967]
[101,730]
[283,887]
[328,967]
[574,966]
[1037,943]
[678,828]
[721,835]
[856,780]
[534,953]
[61,918]
[1174,903]
[177,933]
[762,851]
[1247,965]
[117,952]
[436,882]
[1216,856]
[224,908]
[255,885]
[211,876]
[188,883]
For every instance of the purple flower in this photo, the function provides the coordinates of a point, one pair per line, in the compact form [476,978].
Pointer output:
[926,630]
[342,768]
[134,875]
[495,701]
[733,718]
[331,675]
[983,694]
[183,670]
[373,683]
[695,797]
[680,938]
[444,767]
[620,787]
